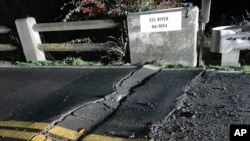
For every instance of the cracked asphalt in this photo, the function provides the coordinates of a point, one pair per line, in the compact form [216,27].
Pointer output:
[101,101]
[58,95]
[120,103]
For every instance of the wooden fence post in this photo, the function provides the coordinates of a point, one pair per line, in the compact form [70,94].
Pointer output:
[29,39]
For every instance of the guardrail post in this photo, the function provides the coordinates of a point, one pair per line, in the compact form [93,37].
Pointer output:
[29,39]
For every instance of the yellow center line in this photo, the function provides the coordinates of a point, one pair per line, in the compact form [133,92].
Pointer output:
[24,124]
[40,138]
[16,134]
[65,133]
[56,130]
[94,137]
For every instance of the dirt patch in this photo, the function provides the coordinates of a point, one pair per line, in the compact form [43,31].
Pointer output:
[213,101]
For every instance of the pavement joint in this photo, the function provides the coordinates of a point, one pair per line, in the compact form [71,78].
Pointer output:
[116,98]
[130,81]
[134,79]
[112,101]
[125,78]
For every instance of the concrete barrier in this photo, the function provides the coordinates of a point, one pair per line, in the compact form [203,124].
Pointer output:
[169,34]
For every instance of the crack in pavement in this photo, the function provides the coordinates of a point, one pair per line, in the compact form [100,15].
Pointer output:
[137,80]
[90,115]
[45,131]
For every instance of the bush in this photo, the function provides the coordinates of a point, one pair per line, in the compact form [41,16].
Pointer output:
[85,9]
[117,41]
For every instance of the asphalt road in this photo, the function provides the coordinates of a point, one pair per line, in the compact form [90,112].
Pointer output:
[40,94]
[116,102]
[113,104]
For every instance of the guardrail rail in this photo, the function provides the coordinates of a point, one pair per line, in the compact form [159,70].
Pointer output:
[6,47]
[229,40]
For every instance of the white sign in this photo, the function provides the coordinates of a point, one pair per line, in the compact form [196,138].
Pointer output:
[162,22]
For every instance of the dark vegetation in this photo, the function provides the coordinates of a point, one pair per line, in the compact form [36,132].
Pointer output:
[74,10]
[223,12]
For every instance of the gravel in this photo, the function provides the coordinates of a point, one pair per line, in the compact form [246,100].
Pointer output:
[213,101]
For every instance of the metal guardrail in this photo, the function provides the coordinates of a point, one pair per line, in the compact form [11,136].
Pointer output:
[6,47]
[229,40]
[28,31]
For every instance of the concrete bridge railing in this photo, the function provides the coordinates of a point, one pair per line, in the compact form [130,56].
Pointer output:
[6,47]
[28,31]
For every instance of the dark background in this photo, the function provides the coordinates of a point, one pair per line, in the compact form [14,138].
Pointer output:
[223,12]
[49,10]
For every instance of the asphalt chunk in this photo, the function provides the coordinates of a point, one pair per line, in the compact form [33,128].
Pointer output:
[147,104]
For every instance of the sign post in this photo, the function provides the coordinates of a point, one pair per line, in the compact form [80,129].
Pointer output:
[205,14]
